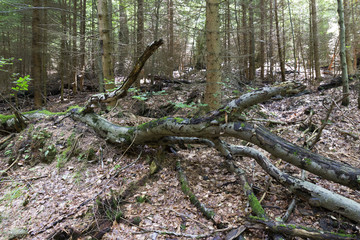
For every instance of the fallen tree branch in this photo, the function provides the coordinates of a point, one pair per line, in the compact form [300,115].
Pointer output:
[315,195]
[300,231]
[122,91]
[209,214]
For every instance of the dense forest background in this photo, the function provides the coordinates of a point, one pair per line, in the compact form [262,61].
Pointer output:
[59,41]
[151,119]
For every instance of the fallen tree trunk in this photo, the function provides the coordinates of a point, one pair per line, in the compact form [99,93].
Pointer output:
[214,125]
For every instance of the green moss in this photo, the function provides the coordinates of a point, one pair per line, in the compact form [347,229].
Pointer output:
[4,118]
[307,161]
[256,206]
[178,120]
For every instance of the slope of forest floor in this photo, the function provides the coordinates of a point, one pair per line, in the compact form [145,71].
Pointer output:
[35,194]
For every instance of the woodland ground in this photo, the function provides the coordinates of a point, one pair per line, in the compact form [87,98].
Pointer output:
[35,194]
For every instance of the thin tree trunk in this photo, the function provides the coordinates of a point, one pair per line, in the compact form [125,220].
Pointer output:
[62,67]
[123,37]
[156,35]
[262,39]
[82,44]
[282,63]
[74,49]
[45,56]
[252,67]
[139,33]
[345,78]
[316,43]
[171,39]
[271,46]
[105,44]
[245,48]
[293,38]
[348,43]
[36,53]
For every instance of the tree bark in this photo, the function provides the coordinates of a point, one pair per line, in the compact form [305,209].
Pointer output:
[105,44]
[344,74]
[213,62]
[262,39]
[348,43]
[280,54]
[36,53]
[170,39]
[316,43]
[123,37]
[82,44]
[252,66]
[139,33]
[74,49]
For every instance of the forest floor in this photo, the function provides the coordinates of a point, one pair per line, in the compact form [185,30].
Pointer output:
[37,192]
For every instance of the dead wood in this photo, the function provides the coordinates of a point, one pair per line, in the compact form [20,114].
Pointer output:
[336,82]
[300,231]
[121,91]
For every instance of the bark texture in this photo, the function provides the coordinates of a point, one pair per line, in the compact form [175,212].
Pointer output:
[213,62]
[105,44]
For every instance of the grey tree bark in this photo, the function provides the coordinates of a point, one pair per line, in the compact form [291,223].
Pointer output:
[345,77]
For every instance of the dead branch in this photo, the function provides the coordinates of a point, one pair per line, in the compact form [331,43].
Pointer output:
[300,231]
[121,91]
[310,192]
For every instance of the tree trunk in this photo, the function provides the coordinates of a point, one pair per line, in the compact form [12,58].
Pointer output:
[213,62]
[252,66]
[45,55]
[36,53]
[105,44]
[82,44]
[348,43]
[139,33]
[271,46]
[245,48]
[262,39]
[316,43]
[345,77]
[293,38]
[170,58]
[123,37]
[62,66]
[280,54]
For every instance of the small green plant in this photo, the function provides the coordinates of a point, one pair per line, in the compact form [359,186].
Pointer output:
[49,153]
[136,221]
[77,177]
[142,199]
[183,226]
[8,152]
[15,193]
[21,83]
